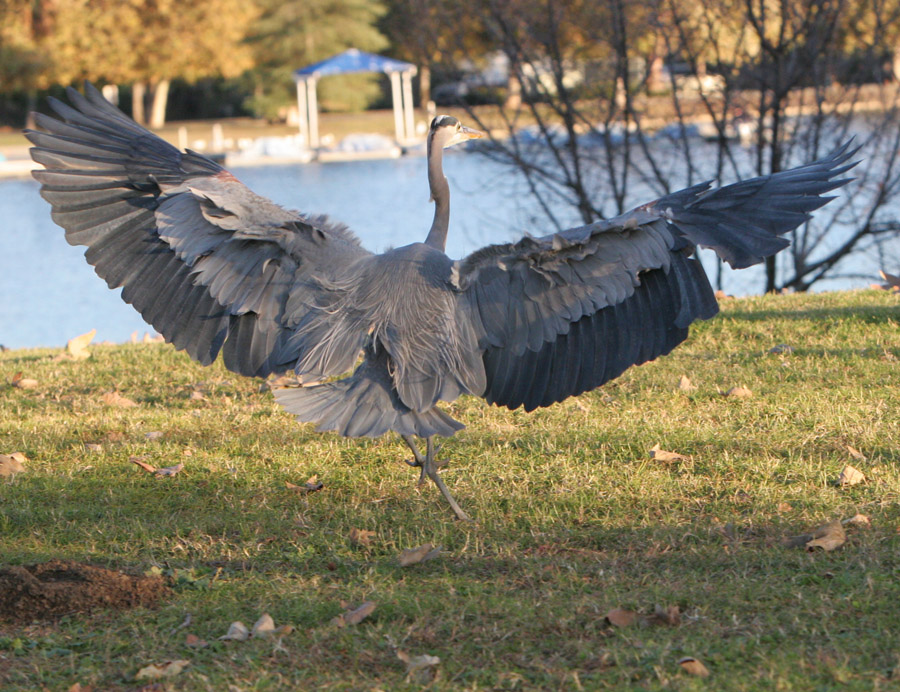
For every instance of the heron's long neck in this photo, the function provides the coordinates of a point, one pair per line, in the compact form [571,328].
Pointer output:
[440,193]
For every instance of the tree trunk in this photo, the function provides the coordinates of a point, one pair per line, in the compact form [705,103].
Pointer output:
[424,86]
[138,94]
[160,93]
[30,109]
[514,91]
[770,274]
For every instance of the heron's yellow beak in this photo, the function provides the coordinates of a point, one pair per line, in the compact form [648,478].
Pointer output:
[464,134]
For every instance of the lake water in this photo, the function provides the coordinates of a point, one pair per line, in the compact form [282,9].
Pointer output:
[48,293]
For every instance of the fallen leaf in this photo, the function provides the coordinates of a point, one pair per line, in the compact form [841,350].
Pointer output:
[143,464]
[237,631]
[263,627]
[685,384]
[739,392]
[23,382]
[620,617]
[11,464]
[170,470]
[666,616]
[313,484]
[197,396]
[423,553]
[194,642]
[663,455]
[167,669]
[116,399]
[279,382]
[76,348]
[361,536]
[93,447]
[419,669]
[692,666]
[355,616]
[858,520]
[851,476]
[828,537]
[153,435]
[856,454]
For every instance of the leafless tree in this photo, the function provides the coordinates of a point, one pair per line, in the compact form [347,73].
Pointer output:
[626,100]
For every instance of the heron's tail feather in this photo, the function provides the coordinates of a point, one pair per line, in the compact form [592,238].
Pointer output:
[744,222]
[363,405]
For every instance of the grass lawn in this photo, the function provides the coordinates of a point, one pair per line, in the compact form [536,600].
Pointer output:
[573,519]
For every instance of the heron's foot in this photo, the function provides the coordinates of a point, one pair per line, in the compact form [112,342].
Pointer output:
[430,469]
[429,466]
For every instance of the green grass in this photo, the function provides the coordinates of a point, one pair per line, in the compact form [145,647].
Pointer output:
[573,519]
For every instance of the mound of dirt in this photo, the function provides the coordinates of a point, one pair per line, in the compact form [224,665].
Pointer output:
[55,588]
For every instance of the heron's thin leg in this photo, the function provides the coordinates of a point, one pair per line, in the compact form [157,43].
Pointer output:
[419,460]
[430,470]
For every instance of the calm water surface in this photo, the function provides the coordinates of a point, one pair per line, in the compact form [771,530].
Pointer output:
[48,293]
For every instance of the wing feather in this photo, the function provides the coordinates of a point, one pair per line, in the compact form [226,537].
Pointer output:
[562,314]
[212,266]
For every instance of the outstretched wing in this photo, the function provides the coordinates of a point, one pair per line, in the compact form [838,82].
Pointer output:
[564,313]
[211,265]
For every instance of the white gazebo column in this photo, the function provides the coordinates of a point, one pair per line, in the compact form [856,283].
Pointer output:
[408,104]
[397,96]
[313,113]
[303,109]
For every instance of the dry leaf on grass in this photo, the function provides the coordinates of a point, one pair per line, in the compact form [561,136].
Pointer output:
[237,631]
[76,347]
[361,536]
[11,464]
[141,461]
[858,520]
[855,453]
[663,455]
[355,616]
[781,348]
[828,537]
[685,384]
[739,393]
[194,642]
[692,666]
[93,447]
[423,553]
[170,470]
[167,669]
[851,476]
[78,687]
[153,435]
[312,485]
[670,615]
[116,399]
[621,617]
[23,382]
[197,395]
[263,627]
[419,669]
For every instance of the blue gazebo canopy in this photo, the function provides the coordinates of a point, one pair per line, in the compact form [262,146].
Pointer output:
[351,61]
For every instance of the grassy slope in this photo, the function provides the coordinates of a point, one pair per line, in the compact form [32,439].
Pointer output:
[573,519]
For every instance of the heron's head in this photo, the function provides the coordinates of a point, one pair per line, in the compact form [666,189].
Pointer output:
[447,131]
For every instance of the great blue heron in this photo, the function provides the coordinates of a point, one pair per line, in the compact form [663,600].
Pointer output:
[216,268]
